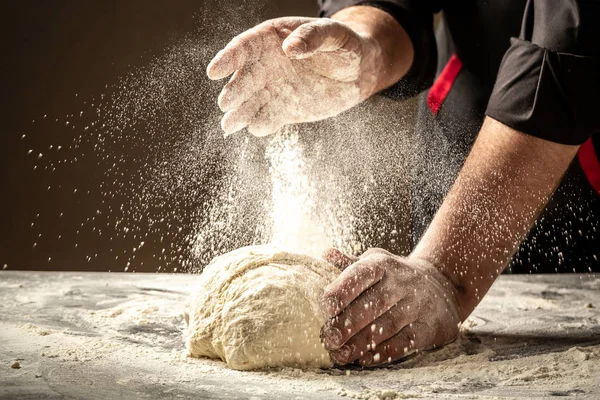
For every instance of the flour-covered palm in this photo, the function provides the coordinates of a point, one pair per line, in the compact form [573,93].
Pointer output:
[292,70]
[384,307]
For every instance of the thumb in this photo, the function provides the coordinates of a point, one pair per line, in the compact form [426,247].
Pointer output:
[321,35]
[338,259]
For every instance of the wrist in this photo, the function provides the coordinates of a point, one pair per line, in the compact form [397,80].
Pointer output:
[387,50]
[448,281]
[373,66]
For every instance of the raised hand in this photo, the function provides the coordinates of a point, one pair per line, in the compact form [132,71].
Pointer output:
[292,70]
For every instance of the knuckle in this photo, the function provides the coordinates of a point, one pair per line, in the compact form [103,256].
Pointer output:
[330,304]
[246,45]
[309,29]
[376,299]
[371,251]
[273,22]
[391,324]
[378,266]
[279,22]
[354,273]
[346,324]
[375,250]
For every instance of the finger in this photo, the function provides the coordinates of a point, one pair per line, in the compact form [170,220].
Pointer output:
[242,116]
[321,35]
[269,119]
[410,339]
[286,25]
[243,49]
[373,303]
[375,333]
[244,83]
[353,281]
[376,251]
[338,259]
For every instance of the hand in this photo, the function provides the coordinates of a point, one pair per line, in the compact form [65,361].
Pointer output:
[292,70]
[384,307]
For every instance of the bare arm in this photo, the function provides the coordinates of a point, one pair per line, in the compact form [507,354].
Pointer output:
[383,307]
[504,184]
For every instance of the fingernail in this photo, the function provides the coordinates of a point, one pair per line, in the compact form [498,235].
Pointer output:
[331,255]
[332,338]
[329,305]
[296,46]
[342,355]
[285,32]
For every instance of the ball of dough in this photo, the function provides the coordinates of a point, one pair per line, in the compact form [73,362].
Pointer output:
[259,307]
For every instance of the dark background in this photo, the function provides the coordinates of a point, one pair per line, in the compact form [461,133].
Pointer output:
[120,87]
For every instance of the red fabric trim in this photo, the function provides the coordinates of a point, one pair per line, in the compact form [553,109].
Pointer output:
[588,159]
[442,85]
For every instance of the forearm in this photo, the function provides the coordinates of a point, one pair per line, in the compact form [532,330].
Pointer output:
[504,184]
[392,42]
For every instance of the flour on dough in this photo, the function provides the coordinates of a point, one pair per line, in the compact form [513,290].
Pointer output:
[258,307]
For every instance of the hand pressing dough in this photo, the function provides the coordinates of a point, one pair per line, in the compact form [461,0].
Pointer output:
[259,307]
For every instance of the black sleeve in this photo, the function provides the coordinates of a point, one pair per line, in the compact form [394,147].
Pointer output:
[548,85]
[416,17]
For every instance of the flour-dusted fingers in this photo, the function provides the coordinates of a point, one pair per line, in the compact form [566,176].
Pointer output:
[413,337]
[324,35]
[242,116]
[367,311]
[339,259]
[384,306]
[243,84]
[372,335]
[374,251]
[269,119]
[245,48]
[248,47]
[280,53]
[360,313]
[353,281]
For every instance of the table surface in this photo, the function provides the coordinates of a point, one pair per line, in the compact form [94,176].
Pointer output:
[116,335]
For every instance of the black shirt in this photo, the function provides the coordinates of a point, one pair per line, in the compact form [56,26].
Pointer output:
[538,59]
